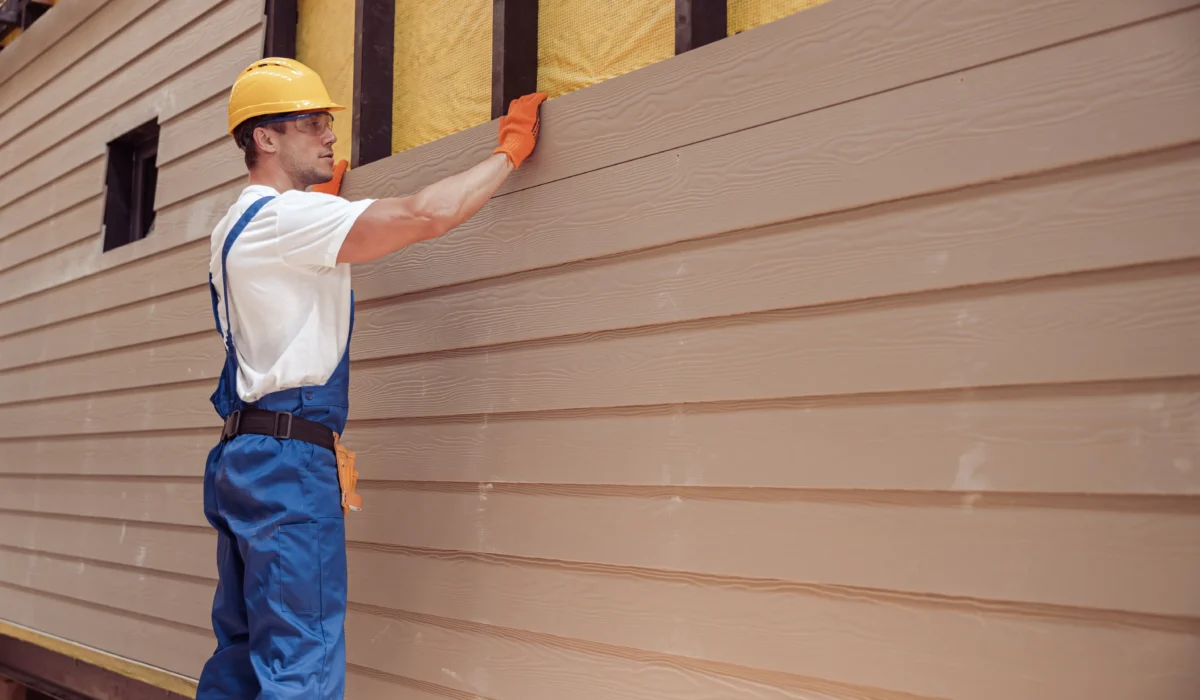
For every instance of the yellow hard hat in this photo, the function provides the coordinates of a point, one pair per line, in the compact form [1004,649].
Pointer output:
[275,85]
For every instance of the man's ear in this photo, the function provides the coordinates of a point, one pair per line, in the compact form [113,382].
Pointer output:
[267,139]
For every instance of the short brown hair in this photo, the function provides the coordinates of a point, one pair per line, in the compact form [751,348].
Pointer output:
[243,135]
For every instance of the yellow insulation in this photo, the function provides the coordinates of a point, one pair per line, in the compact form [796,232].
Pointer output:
[442,80]
[748,14]
[583,42]
[325,43]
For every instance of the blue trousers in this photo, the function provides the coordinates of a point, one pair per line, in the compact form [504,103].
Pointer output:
[280,605]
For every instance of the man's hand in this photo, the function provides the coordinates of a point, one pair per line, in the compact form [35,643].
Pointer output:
[519,128]
[334,186]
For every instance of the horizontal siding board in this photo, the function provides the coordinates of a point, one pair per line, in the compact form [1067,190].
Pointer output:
[195,42]
[1066,104]
[1140,438]
[175,648]
[165,316]
[957,545]
[112,287]
[943,134]
[154,22]
[169,501]
[208,76]
[706,92]
[201,125]
[44,41]
[58,231]
[1125,213]
[212,166]
[79,185]
[175,599]
[190,551]
[905,643]
[1035,549]
[1115,325]
[60,267]
[483,662]
[1137,211]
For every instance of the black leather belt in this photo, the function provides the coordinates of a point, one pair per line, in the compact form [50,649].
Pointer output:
[277,424]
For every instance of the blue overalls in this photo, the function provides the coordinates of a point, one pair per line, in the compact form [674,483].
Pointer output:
[280,603]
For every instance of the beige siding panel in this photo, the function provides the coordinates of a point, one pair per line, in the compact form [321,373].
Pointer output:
[944,130]
[190,551]
[1081,551]
[1140,438]
[369,683]
[1077,102]
[60,230]
[197,173]
[1076,551]
[483,661]
[166,362]
[184,600]
[160,408]
[167,316]
[1122,213]
[965,649]
[749,80]
[1135,211]
[44,40]
[1123,324]
[177,501]
[178,648]
[145,278]
[82,183]
[210,75]
[166,453]
[215,165]
[185,48]
[1126,324]
[145,25]
[201,125]
[60,267]
[1127,438]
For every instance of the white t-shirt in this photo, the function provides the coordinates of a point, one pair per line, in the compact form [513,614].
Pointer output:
[289,298]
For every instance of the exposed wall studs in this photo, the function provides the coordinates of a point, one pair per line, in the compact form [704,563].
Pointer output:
[374,53]
[699,22]
[514,51]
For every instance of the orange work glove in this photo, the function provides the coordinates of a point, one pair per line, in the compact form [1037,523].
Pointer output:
[334,186]
[519,128]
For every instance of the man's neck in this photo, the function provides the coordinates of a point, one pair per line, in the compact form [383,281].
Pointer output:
[274,178]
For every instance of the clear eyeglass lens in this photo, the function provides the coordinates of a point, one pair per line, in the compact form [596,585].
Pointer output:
[314,123]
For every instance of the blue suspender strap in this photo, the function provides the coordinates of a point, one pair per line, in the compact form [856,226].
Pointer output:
[230,238]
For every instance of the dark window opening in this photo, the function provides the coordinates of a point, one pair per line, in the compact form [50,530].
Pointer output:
[129,186]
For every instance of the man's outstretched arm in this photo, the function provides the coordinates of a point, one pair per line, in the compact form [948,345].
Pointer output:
[388,225]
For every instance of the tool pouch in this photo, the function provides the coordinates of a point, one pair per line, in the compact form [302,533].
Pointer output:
[347,476]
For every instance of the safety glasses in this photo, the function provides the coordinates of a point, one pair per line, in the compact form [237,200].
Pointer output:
[307,123]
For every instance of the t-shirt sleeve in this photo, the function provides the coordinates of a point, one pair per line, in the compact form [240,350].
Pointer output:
[312,225]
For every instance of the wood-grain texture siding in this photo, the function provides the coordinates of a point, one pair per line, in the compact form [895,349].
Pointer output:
[853,356]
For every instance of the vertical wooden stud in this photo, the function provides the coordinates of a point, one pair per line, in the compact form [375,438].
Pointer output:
[282,16]
[514,51]
[699,22]
[374,54]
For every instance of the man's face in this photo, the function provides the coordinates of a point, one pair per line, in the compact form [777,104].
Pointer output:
[306,149]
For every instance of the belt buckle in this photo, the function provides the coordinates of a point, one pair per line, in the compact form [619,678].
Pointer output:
[232,423]
[288,432]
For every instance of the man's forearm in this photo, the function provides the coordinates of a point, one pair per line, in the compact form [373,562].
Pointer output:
[390,224]
[451,201]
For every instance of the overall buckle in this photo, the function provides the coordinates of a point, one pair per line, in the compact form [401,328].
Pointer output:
[232,423]
[287,432]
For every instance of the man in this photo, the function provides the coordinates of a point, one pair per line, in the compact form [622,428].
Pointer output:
[278,483]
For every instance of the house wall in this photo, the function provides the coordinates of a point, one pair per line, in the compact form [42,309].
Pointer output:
[784,369]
